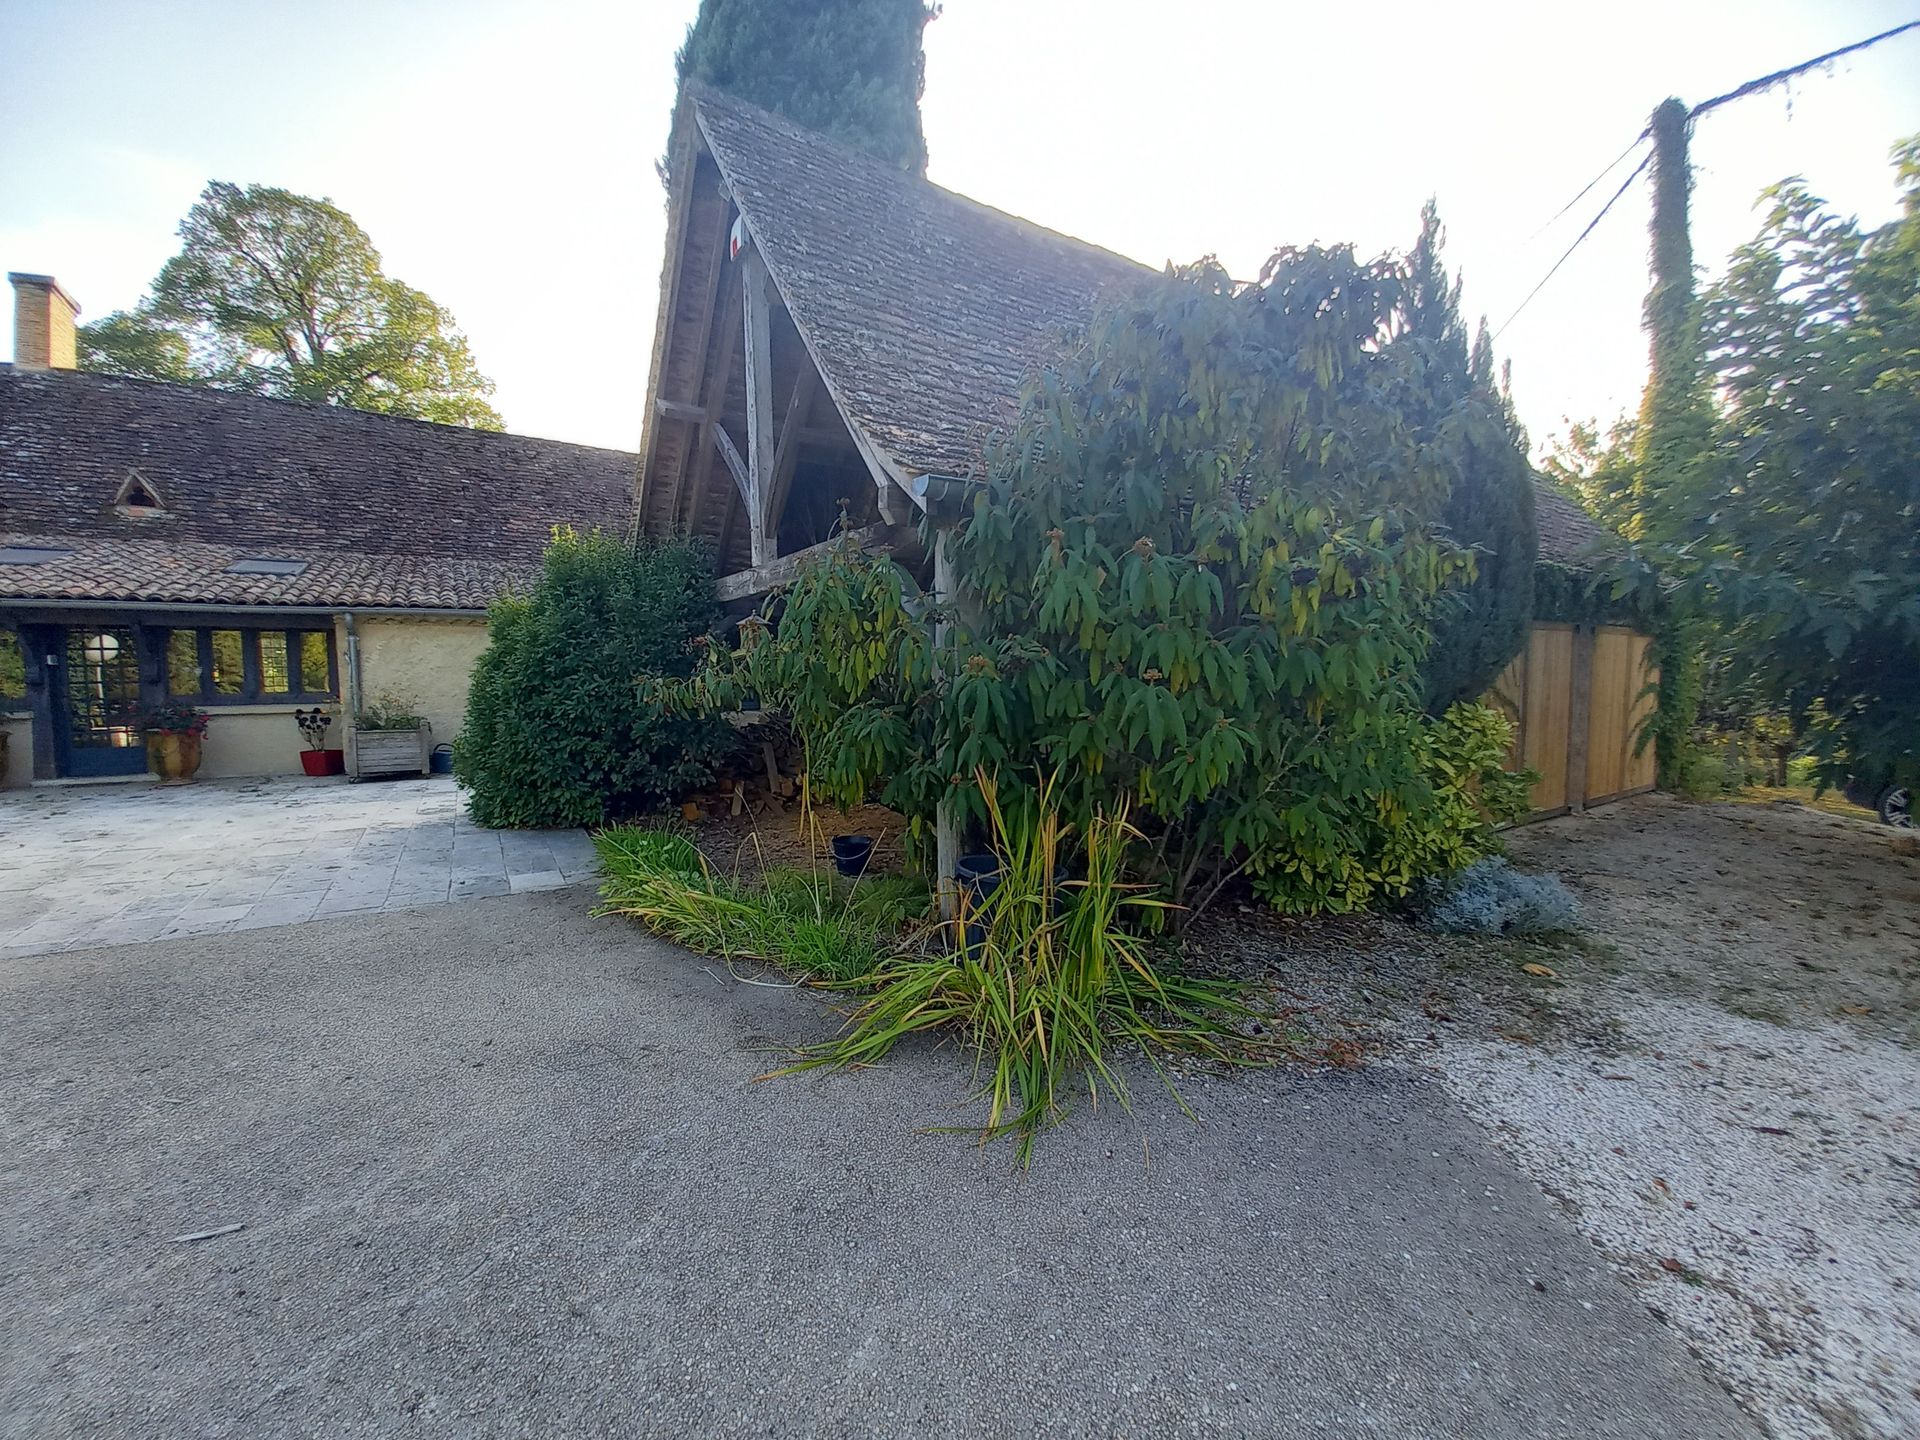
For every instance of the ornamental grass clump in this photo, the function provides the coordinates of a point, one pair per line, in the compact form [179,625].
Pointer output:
[807,922]
[1047,981]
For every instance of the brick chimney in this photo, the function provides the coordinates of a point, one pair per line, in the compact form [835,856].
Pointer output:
[42,323]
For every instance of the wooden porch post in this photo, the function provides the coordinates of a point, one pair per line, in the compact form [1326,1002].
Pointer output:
[946,827]
[760,441]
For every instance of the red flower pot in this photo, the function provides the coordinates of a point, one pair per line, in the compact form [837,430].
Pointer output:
[324,762]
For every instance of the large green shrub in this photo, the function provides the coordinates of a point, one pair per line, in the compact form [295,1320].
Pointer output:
[1464,418]
[1195,586]
[559,729]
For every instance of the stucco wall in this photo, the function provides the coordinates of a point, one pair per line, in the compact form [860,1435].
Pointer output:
[423,665]
[250,740]
[19,730]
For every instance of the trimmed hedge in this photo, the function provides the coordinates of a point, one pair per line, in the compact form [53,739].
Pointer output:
[558,730]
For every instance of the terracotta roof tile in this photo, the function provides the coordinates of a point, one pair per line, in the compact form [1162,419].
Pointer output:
[385,511]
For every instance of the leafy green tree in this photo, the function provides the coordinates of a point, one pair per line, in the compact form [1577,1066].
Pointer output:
[560,729]
[1463,416]
[1810,551]
[850,69]
[137,343]
[278,294]
[1196,585]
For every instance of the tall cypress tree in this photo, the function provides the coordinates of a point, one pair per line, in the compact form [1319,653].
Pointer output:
[1469,419]
[850,69]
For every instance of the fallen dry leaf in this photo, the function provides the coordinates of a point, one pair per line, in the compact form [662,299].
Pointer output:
[1540,970]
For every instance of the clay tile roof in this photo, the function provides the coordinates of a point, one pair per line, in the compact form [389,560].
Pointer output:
[383,511]
[925,309]
[1568,535]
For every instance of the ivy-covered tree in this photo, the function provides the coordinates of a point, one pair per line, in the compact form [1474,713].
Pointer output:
[850,69]
[1463,416]
[279,294]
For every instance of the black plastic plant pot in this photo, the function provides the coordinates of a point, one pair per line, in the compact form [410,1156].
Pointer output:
[979,873]
[851,853]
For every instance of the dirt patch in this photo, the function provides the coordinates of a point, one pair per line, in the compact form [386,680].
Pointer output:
[775,835]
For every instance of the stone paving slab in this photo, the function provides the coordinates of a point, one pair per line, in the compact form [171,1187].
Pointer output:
[110,865]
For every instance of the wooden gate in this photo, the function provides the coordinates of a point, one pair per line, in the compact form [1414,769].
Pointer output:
[1580,697]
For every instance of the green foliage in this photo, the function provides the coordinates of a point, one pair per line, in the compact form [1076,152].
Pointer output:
[1463,417]
[389,712]
[13,669]
[1046,983]
[173,717]
[1809,556]
[1780,539]
[279,294]
[852,668]
[1441,816]
[850,69]
[809,922]
[137,343]
[561,728]
[1196,584]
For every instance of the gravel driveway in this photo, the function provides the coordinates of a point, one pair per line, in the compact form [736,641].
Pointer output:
[502,1169]
[1732,1112]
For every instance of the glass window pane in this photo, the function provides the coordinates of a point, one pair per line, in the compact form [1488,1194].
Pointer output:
[13,670]
[229,670]
[183,662]
[313,662]
[273,662]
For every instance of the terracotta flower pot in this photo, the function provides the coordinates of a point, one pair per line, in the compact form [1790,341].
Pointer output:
[323,762]
[173,757]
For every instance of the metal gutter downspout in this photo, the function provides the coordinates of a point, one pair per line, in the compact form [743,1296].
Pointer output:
[353,665]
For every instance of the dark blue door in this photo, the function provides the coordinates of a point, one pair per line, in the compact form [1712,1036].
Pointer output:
[97,703]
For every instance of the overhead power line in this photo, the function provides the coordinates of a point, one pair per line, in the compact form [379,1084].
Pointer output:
[1751,87]
[1767,82]
[1645,160]
[1584,189]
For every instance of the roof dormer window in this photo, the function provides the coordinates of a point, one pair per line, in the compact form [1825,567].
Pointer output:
[138,496]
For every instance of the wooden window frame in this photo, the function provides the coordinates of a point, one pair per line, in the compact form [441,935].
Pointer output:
[250,692]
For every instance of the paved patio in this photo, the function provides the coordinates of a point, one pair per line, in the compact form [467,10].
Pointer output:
[117,865]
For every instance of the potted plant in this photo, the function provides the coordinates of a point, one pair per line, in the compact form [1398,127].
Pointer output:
[173,734]
[317,759]
[390,738]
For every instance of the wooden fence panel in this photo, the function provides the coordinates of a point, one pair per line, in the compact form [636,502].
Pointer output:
[1615,714]
[1536,692]
[1575,697]
[1646,679]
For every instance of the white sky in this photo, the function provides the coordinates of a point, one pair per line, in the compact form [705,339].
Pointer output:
[500,152]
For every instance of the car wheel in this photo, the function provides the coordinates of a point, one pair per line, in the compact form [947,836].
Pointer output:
[1896,806]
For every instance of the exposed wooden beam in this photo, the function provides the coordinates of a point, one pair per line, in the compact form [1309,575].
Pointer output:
[736,467]
[946,822]
[793,433]
[782,569]
[679,410]
[719,377]
[758,337]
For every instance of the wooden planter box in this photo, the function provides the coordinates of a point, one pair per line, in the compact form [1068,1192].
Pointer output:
[392,752]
